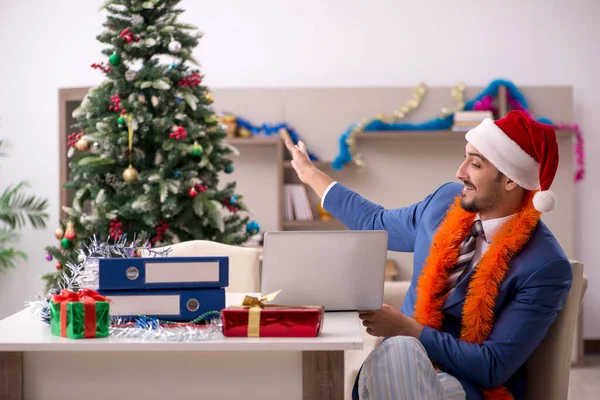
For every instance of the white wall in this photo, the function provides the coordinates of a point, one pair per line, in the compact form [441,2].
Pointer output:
[48,45]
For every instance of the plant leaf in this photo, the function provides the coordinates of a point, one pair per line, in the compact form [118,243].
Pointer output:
[16,207]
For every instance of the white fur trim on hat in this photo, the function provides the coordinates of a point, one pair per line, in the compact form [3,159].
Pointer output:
[544,201]
[505,154]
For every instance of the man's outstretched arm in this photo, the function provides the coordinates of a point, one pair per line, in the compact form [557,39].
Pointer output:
[353,210]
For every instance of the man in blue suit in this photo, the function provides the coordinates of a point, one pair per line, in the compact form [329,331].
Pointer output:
[489,277]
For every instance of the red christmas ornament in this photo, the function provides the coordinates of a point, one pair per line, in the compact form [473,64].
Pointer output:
[201,188]
[128,36]
[115,229]
[73,138]
[179,133]
[190,81]
[193,192]
[160,230]
[230,207]
[58,265]
[116,104]
[102,66]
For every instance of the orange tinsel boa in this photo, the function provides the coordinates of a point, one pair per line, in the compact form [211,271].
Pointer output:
[478,311]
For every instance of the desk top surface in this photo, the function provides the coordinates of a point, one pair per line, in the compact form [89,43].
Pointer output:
[24,332]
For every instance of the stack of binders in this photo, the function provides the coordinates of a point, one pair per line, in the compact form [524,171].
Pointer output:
[168,288]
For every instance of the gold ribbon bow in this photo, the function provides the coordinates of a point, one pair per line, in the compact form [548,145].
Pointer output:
[255,306]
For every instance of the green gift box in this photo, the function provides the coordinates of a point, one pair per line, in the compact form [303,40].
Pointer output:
[81,315]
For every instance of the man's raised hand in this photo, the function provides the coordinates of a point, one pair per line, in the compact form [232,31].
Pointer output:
[300,160]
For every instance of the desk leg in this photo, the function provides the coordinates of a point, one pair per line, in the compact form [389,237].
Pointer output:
[11,376]
[323,375]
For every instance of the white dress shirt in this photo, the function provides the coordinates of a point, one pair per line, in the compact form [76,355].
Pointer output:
[325,193]
[490,227]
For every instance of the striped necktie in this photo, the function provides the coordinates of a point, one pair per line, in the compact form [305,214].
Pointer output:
[465,255]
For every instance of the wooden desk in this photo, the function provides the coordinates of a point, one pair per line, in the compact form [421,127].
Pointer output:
[36,365]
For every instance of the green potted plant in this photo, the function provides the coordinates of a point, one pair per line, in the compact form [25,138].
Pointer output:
[16,208]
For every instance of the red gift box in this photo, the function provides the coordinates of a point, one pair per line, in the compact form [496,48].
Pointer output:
[254,318]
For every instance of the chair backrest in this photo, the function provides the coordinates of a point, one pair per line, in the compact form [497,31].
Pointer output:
[243,262]
[548,368]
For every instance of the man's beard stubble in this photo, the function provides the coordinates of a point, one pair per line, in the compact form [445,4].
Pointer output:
[488,201]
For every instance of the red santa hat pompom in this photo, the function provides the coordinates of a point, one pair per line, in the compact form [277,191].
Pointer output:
[524,150]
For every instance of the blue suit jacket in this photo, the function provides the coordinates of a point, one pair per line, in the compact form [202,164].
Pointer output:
[529,299]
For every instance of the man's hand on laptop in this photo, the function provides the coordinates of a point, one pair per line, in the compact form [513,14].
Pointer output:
[306,170]
[388,321]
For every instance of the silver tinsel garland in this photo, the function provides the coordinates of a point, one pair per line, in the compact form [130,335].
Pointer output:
[85,275]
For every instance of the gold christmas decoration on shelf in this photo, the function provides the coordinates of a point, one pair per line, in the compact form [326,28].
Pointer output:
[230,123]
[396,116]
[130,174]
[458,93]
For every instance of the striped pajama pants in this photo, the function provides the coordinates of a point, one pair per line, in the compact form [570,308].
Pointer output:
[400,369]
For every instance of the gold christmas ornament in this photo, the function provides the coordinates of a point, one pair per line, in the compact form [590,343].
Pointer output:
[58,233]
[209,97]
[130,174]
[397,115]
[82,145]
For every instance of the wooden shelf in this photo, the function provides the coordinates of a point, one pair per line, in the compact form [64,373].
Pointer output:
[314,225]
[319,164]
[254,141]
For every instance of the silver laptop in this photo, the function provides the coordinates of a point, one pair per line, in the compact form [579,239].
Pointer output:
[339,270]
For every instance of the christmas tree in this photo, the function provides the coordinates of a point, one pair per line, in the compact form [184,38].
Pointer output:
[147,148]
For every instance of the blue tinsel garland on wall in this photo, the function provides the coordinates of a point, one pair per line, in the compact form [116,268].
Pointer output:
[431,125]
[268,130]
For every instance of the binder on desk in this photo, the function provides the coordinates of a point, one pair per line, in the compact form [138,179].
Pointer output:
[172,305]
[163,273]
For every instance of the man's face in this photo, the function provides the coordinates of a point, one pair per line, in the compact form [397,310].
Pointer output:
[483,191]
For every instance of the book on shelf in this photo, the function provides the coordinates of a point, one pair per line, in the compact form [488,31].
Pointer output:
[297,205]
[466,120]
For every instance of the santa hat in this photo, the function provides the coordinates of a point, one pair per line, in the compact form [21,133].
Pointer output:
[524,150]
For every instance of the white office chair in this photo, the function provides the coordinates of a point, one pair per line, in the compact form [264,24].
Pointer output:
[243,262]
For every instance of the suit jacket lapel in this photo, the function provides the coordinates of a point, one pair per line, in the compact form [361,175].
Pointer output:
[459,292]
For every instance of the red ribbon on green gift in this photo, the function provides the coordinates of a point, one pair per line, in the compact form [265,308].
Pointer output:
[88,297]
